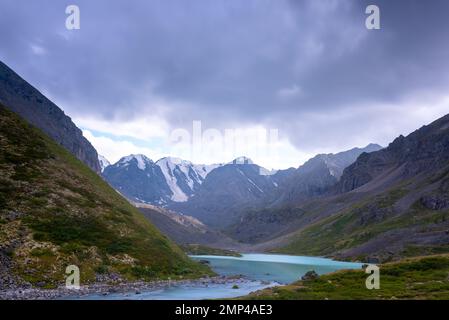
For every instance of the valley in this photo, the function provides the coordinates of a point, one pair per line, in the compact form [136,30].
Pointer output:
[366,204]
[237,276]
[55,212]
[168,228]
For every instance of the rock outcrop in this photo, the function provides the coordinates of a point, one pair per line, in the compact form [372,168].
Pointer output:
[425,150]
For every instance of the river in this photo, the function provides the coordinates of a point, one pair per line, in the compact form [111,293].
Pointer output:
[258,271]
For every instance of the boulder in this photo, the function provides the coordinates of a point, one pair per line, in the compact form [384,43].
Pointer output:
[310,275]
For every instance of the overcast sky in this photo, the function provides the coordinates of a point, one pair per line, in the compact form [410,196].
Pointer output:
[138,72]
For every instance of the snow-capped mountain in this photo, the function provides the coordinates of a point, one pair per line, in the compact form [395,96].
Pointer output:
[217,194]
[139,159]
[229,188]
[183,177]
[242,160]
[162,182]
[320,173]
[139,179]
[241,186]
[103,162]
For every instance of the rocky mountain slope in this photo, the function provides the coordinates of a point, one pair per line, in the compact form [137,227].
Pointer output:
[422,152]
[55,211]
[315,178]
[388,204]
[319,174]
[229,190]
[19,96]
[185,230]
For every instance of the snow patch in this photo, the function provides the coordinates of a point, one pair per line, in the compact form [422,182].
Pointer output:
[191,174]
[103,162]
[167,166]
[140,158]
[250,181]
[241,160]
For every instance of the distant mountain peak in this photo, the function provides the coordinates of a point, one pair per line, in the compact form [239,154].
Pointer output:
[336,162]
[169,179]
[424,150]
[242,160]
[103,162]
[141,160]
[373,146]
[173,160]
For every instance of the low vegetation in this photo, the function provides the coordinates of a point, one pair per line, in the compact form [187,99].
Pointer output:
[413,278]
[365,221]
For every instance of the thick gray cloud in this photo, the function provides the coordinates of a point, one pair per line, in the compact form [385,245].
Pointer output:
[310,68]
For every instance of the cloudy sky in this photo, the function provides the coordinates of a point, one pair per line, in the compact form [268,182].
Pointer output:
[139,76]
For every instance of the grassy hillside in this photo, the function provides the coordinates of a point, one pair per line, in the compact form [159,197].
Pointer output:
[388,204]
[388,226]
[55,211]
[415,278]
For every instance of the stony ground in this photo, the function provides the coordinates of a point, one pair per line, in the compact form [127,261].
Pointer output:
[104,288]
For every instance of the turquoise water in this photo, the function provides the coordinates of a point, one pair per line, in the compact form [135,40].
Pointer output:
[259,271]
[188,292]
[273,267]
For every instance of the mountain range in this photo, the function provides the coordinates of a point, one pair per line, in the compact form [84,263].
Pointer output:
[387,205]
[59,205]
[370,204]
[164,181]
[219,194]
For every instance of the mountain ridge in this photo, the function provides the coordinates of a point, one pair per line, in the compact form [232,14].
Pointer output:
[219,194]
[389,204]
[22,98]
[320,173]
[55,212]
[167,180]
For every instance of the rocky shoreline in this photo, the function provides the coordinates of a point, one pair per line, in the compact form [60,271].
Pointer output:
[105,289]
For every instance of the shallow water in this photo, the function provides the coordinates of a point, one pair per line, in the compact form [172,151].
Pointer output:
[259,270]
[273,267]
[195,291]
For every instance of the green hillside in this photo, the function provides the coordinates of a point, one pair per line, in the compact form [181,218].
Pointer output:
[55,211]
[414,278]
[382,226]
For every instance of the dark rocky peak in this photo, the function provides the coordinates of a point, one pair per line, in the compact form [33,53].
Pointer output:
[22,98]
[423,151]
